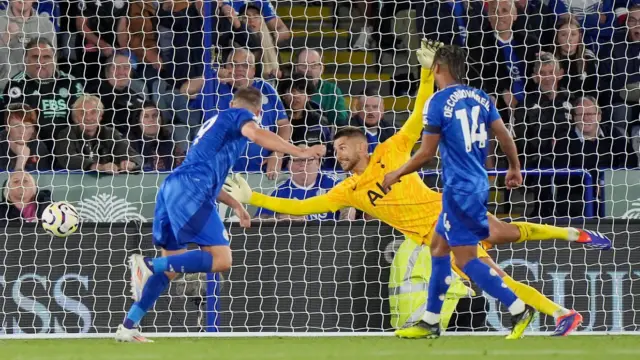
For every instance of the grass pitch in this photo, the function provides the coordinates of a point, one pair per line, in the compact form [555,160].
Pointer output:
[321,348]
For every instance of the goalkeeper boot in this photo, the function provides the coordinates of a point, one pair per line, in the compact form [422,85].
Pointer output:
[567,323]
[130,335]
[140,273]
[594,239]
[521,322]
[419,330]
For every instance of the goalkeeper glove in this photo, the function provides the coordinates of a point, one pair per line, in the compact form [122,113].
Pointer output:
[427,52]
[236,186]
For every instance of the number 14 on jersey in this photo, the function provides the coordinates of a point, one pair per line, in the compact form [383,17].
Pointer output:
[470,130]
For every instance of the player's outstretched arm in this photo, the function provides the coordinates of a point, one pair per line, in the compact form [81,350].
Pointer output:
[508,146]
[238,188]
[425,153]
[273,142]
[412,128]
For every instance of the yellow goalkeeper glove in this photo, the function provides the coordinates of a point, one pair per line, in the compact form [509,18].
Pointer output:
[427,52]
[236,186]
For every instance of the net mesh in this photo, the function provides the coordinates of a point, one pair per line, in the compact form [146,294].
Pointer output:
[102,100]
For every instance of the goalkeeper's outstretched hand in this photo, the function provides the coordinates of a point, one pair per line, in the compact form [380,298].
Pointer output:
[427,52]
[236,186]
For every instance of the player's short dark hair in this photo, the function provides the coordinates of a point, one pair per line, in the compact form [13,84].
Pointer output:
[454,58]
[249,96]
[349,132]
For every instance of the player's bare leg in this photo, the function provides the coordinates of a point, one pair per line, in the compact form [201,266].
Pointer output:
[566,320]
[487,278]
[222,256]
[140,273]
[504,233]
[151,277]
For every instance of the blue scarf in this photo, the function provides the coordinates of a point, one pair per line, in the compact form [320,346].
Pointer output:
[516,69]
[459,15]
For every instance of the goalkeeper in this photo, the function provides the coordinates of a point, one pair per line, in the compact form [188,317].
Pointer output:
[413,208]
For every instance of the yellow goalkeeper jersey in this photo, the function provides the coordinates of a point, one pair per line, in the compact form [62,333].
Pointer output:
[410,206]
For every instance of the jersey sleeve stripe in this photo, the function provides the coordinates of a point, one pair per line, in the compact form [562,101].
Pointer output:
[432,129]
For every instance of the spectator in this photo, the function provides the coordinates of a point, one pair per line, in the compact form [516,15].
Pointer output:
[544,116]
[19,149]
[141,37]
[274,23]
[120,100]
[102,29]
[329,97]
[626,74]
[535,17]
[19,24]
[229,29]
[370,116]
[598,18]
[451,22]
[269,54]
[578,63]
[89,145]
[180,25]
[44,88]
[543,119]
[307,123]
[306,181]
[151,138]
[504,57]
[238,73]
[21,198]
[590,145]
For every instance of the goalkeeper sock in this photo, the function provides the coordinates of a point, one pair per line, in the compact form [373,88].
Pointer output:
[530,231]
[195,261]
[155,286]
[438,285]
[533,297]
[489,281]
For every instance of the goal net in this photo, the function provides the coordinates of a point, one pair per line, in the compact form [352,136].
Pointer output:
[102,100]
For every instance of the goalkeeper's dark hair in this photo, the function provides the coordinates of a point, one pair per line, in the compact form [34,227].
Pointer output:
[249,96]
[349,132]
[454,58]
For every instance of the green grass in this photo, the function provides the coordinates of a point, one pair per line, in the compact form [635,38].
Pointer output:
[349,348]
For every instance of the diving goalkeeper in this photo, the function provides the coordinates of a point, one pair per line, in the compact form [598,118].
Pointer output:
[414,209]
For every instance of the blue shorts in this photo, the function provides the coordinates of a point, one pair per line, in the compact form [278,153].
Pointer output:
[186,213]
[463,220]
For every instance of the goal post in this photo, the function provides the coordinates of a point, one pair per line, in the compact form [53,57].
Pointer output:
[291,277]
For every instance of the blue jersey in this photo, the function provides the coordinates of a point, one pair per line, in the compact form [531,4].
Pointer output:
[462,116]
[217,146]
[290,190]
[272,112]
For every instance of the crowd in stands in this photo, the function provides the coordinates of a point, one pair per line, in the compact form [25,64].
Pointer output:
[123,86]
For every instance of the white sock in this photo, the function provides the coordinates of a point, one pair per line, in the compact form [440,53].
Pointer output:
[560,312]
[431,318]
[517,307]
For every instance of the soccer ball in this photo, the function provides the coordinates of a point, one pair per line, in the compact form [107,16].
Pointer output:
[60,219]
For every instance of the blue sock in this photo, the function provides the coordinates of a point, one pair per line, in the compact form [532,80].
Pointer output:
[155,286]
[489,281]
[195,261]
[438,283]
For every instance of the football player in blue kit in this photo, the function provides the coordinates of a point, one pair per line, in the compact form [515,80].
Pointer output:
[458,118]
[186,211]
